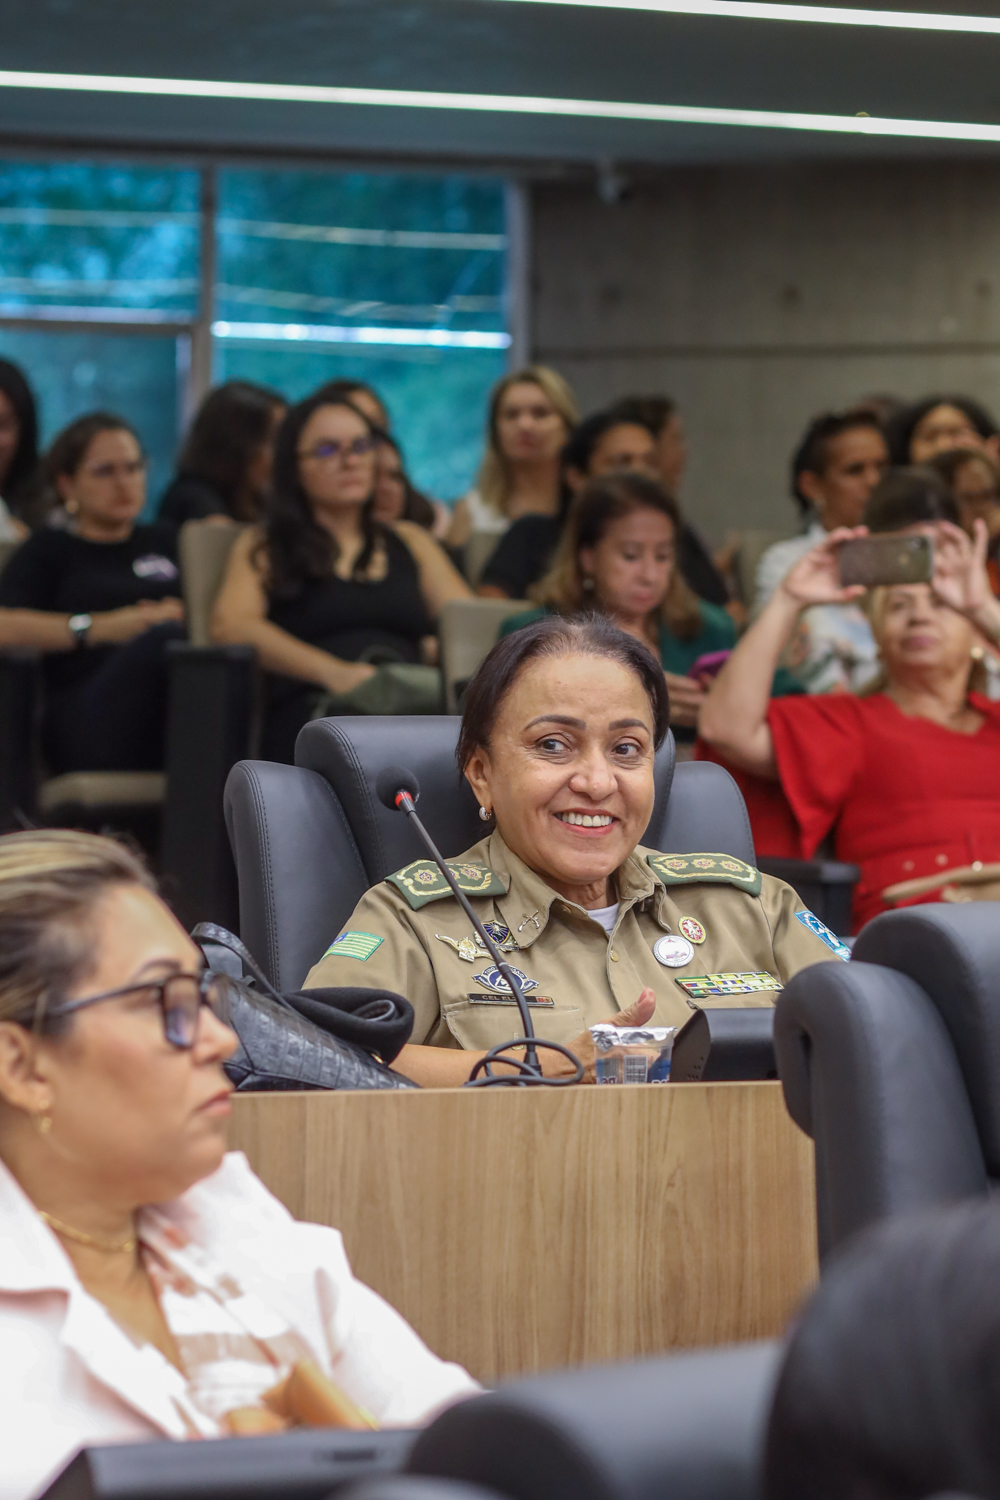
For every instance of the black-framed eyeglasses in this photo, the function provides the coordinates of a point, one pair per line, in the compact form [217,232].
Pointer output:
[179,997]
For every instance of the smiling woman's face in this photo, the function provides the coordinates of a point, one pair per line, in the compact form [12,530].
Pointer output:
[136,1119]
[569,771]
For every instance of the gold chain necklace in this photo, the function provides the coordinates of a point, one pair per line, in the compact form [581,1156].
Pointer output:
[119,1247]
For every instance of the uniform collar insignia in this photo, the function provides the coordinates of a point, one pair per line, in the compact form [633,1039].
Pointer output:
[712,869]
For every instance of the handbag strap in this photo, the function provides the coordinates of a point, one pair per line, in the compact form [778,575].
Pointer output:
[211,932]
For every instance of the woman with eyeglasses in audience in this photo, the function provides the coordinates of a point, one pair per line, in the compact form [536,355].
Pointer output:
[618,554]
[224,469]
[322,589]
[531,415]
[150,1285]
[18,450]
[100,597]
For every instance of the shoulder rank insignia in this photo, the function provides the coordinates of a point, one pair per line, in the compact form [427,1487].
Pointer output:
[716,869]
[422,881]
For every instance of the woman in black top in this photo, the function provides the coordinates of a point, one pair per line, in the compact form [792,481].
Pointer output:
[101,599]
[225,467]
[322,589]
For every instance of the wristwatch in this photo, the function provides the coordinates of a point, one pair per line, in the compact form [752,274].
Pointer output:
[79,629]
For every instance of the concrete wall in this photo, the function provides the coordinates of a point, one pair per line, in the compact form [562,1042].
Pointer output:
[758,296]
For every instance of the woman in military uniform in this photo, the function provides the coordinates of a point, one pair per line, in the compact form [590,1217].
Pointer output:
[561,725]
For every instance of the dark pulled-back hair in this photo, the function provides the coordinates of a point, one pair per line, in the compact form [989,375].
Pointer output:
[68,448]
[813,453]
[890,1388]
[909,497]
[300,550]
[652,412]
[231,426]
[15,387]
[558,635]
[901,427]
[582,445]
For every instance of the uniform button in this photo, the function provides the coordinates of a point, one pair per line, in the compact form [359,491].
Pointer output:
[977,864]
[614,956]
[942,859]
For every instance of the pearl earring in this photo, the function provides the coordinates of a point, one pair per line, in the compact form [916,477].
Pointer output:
[485,814]
[588,584]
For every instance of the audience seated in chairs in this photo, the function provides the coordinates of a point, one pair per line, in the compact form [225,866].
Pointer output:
[835,468]
[531,415]
[891,1383]
[100,597]
[973,477]
[18,451]
[150,1286]
[618,554]
[326,593]
[659,415]
[936,424]
[904,777]
[225,465]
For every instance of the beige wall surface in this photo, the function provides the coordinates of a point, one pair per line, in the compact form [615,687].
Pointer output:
[758,296]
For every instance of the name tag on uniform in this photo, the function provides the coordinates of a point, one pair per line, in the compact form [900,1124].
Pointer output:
[509,999]
[716,986]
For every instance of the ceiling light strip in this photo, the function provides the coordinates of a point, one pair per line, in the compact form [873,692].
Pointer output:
[829,15]
[593,109]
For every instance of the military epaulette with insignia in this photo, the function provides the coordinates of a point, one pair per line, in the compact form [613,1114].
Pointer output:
[717,869]
[422,881]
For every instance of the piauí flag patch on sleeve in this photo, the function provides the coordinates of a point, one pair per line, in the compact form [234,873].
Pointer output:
[353,945]
[810,920]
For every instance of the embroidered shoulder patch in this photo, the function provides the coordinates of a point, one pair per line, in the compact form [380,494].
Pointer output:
[717,986]
[716,869]
[422,881]
[354,945]
[810,920]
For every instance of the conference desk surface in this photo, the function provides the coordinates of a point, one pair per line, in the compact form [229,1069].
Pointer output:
[521,1230]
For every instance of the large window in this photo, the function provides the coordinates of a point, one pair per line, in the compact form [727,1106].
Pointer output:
[128,287]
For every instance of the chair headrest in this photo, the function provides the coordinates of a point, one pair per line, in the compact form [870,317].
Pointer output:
[953,953]
[351,752]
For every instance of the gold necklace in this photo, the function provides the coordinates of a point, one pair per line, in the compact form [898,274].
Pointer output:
[119,1247]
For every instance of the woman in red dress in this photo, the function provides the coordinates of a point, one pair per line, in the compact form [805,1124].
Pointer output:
[907,778]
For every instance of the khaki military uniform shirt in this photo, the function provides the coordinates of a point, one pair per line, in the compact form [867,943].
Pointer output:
[740,935]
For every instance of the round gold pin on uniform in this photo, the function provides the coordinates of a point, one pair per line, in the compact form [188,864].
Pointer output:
[692,929]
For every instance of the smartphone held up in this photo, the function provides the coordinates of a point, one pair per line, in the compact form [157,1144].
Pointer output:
[884,561]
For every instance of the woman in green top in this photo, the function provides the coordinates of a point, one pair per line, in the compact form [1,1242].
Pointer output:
[618,554]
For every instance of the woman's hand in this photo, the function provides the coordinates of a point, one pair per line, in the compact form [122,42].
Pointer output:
[342,676]
[960,579]
[686,698]
[553,1065]
[815,578]
[113,627]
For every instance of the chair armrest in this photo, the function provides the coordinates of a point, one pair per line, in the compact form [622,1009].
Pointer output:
[826,886]
[213,722]
[20,710]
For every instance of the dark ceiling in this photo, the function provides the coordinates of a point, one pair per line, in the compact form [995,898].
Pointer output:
[488,46]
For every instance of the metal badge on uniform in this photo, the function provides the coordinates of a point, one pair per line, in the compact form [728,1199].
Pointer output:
[464,947]
[501,935]
[692,929]
[672,951]
[810,920]
[492,979]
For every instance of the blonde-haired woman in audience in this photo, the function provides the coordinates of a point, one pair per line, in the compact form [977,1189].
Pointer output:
[150,1286]
[532,413]
[904,778]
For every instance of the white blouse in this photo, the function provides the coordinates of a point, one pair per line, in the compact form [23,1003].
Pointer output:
[70,1376]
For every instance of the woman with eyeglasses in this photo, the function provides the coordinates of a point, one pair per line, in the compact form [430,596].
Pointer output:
[323,590]
[100,597]
[150,1285]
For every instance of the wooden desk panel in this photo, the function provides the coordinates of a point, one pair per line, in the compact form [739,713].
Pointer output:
[520,1231]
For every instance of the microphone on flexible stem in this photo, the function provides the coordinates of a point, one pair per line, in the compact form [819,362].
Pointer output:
[398,789]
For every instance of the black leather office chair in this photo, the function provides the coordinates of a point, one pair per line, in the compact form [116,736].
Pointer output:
[310,839]
[689,1427]
[892,1064]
